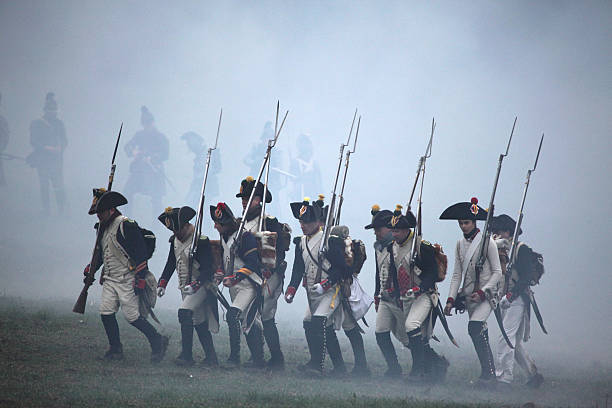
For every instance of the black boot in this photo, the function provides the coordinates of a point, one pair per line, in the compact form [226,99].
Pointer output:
[480,337]
[277,360]
[233,323]
[361,364]
[416,345]
[254,340]
[436,365]
[159,343]
[386,347]
[185,317]
[312,363]
[115,352]
[335,353]
[207,344]
[317,346]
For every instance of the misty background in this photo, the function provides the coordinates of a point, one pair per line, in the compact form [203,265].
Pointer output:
[472,65]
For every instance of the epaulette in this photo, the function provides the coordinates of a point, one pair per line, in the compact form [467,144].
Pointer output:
[297,240]
[426,243]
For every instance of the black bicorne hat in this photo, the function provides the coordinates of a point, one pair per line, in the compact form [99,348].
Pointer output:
[107,200]
[504,222]
[306,212]
[380,218]
[246,187]
[400,221]
[222,214]
[465,211]
[175,218]
[97,193]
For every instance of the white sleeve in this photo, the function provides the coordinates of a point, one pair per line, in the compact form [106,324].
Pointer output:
[495,265]
[457,275]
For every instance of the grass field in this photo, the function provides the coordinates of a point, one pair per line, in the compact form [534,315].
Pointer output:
[50,357]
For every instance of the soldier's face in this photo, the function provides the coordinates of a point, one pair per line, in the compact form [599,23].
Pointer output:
[256,201]
[467,226]
[400,235]
[104,216]
[309,228]
[220,227]
[501,234]
[381,233]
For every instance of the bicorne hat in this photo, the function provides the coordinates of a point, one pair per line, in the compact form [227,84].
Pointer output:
[380,218]
[175,218]
[222,214]
[246,187]
[400,221]
[306,212]
[504,222]
[105,200]
[465,211]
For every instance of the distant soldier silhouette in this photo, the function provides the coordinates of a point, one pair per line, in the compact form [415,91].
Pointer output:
[149,149]
[48,138]
[195,144]
[305,168]
[4,139]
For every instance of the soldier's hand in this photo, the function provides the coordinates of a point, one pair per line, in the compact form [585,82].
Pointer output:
[504,303]
[139,286]
[161,291]
[191,288]
[86,270]
[318,288]
[376,302]
[477,296]
[448,308]
[230,281]
[289,294]
[218,277]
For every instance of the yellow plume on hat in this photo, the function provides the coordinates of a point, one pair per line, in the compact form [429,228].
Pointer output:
[376,208]
[168,210]
[321,197]
[307,199]
[102,190]
[398,207]
[249,179]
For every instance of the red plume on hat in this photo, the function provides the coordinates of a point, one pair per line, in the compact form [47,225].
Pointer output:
[474,207]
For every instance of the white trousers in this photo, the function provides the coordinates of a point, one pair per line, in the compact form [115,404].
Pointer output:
[271,292]
[478,311]
[120,294]
[514,323]
[391,318]
[328,304]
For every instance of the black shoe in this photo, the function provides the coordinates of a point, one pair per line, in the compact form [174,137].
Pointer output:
[113,354]
[232,363]
[276,365]
[361,372]
[209,362]
[158,355]
[394,372]
[183,361]
[535,381]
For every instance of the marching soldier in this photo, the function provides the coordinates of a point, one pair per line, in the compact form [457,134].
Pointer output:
[273,277]
[244,280]
[321,281]
[390,317]
[474,295]
[514,305]
[413,287]
[150,149]
[199,308]
[126,280]
[48,138]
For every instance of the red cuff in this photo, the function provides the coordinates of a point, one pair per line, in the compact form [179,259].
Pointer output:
[290,291]
[162,283]
[140,283]
[326,284]
[450,300]
[482,295]
[416,289]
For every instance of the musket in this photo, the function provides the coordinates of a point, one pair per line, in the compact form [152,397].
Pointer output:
[486,233]
[486,237]
[271,144]
[346,166]
[79,306]
[261,225]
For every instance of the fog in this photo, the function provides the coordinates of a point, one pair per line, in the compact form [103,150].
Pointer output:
[473,66]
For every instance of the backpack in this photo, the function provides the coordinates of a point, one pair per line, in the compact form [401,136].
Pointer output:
[359,255]
[536,266]
[149,239]
[441,261]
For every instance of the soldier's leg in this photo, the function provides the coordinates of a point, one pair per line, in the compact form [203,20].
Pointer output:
[43,178]
[310,340]
[109,306]
[384,324]
[207,344]
[477,329]
[356,340]
[255,342]
[185,317]
[233,323]
[323,308]
[319,343]
[131,311]
[272,292]
[512,318]
[419,311]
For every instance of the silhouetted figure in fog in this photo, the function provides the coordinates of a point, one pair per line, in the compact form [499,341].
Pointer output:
[48,138]
[305,168]
[195,144]
[255,158]
[150,149]
[4,139]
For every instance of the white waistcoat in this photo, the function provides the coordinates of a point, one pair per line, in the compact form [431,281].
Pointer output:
[383,262]
[116,261]
[181,253]
[238,263]
[311,268]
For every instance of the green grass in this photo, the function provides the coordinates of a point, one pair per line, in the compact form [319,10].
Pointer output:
[49,357]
